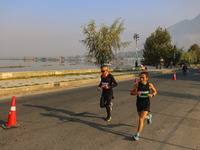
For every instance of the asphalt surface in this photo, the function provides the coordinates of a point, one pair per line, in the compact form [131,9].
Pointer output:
[72,119]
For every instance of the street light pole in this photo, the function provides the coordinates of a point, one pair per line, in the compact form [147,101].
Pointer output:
[189,59]
[136,38]
[174,54]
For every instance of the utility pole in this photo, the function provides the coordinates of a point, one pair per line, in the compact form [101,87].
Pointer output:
[174,54]
[189,59]
[136,38]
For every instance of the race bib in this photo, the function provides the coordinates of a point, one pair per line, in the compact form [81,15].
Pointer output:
[104,84]
[144,94]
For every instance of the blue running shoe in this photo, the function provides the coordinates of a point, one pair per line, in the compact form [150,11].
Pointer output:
[149,119]
[136,137]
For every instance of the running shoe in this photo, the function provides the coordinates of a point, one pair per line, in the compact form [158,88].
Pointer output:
[136,137]
[111,105]
[149,119]
[108,119]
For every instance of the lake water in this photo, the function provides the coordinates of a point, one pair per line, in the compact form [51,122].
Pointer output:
[41,66]
[47,66]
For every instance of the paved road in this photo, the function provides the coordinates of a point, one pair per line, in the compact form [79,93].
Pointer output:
[71,119]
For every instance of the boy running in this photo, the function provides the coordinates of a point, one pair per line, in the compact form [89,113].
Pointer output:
[142,90]
[107,83]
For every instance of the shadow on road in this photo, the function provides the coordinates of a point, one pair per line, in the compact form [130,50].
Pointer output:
[78,118]
[2,122]
[167,143]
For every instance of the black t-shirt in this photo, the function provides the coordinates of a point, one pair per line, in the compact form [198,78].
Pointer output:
[110,81]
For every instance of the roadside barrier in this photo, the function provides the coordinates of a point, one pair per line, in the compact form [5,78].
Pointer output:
[136,81]
[174,77]
[11,123]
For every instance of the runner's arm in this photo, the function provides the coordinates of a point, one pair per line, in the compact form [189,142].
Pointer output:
[153,89]
[99,87]
[133,91]
[114,83]
[100,84]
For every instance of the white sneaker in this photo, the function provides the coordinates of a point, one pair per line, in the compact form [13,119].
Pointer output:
[108,119]
[111,105]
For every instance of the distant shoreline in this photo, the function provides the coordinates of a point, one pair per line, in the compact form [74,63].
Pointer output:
[15,67]
[11,59]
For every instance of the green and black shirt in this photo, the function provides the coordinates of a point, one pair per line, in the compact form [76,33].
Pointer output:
[144,89]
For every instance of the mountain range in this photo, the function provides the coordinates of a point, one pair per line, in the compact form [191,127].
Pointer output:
[186,32]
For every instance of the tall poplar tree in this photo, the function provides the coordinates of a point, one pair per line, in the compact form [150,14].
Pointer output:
[103,43]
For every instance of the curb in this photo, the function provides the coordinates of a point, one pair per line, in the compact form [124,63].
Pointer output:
[46,87]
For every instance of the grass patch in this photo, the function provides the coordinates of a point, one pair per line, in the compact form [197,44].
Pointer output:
[11,87]
[125,70]
[72,74]
[54,75]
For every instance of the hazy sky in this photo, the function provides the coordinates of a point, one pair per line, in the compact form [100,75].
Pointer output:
[52,27]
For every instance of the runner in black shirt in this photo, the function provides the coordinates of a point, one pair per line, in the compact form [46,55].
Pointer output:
[107,83]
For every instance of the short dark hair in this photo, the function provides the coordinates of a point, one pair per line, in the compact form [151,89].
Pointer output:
[104,66]
[146,73]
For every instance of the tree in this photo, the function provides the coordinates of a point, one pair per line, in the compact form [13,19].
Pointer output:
[103,43]
[156,47]
[189,57]
[174,54]
[194,47]
[195,51]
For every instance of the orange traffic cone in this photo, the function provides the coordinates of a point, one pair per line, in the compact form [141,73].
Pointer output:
[11,123]
[199,70]
[136,80]
[135,83]
[174,77]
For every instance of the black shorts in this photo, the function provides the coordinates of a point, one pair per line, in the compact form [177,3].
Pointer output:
[143,105]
